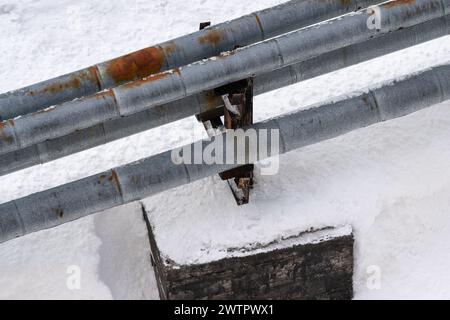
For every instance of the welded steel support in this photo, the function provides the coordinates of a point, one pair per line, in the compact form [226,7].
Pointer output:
[238,114]
[178,52]
[122,127]
[159,173]
[236,65]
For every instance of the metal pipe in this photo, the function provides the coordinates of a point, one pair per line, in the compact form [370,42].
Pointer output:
[145,120]
[158,173]
[202,44]
[239,64]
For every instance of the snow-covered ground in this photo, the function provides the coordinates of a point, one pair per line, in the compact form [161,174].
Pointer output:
[390,181]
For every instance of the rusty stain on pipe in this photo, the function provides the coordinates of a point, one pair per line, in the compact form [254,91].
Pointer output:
[398,3]
[136,65]
[345,3]
[57,87]
[212,37]
[114,179]
[4,136]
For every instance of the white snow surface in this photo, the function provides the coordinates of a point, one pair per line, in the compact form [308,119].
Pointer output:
[390,181]
[311,236]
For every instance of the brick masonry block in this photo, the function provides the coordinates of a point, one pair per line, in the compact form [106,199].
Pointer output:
[313,265]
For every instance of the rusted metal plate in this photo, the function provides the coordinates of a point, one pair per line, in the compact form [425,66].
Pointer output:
[239,171]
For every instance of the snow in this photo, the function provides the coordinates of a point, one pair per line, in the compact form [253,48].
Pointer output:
[390,181]
[207,255]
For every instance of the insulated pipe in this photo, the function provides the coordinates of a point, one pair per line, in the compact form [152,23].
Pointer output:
[178,52]
[242,63]
[145,120]
[158,173]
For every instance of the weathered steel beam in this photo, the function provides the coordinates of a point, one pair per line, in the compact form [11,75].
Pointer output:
[179,83]
[158,173]
[175,53]
[125,126]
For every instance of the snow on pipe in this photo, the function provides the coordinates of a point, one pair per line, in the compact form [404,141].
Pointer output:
[145,120]
[175,53]
[158,173]
[242,63]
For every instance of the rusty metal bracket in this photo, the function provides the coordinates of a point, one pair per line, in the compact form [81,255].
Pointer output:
[204,25]
[237,113]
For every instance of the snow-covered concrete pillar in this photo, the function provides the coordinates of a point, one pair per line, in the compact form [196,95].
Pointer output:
[311,265]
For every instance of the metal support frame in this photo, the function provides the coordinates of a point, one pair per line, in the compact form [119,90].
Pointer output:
[237,113]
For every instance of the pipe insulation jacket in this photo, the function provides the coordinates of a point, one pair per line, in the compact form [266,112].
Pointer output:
[176,84]
[158,173]
[175,53]
[125,126]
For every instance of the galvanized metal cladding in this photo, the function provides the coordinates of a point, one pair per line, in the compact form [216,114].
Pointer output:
[162,88]
[115,129]
[158,173]
[178,52]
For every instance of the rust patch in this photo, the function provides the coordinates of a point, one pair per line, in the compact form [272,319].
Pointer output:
[94,77]
[398,3]
[58,212]
[73,83]
[177,71]
[211,100]
[136,65]
[3,136]
[114,180]
[170,48]
[212,37]
[101,179]
[345,3]
[258,20]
